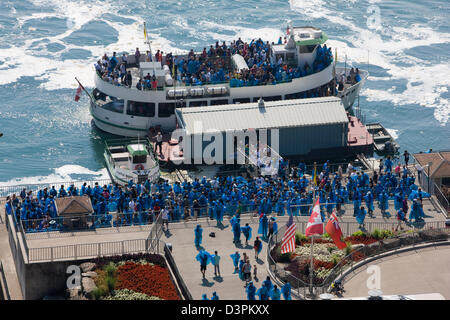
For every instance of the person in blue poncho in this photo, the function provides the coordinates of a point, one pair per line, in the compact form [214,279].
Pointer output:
[275,293]
[204,297]
[383,203]
[286,291]
[214,296]
[257,246]
[263,225]
[251,291]
[416,212]
[235,257]
[247,231]
[368,198]
[236,231]
[198,235]
[268,284]
[361,216]
[263,293]
[241,266]
[204,258]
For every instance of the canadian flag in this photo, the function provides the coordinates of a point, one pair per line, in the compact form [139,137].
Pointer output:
[78,93]
[315,224]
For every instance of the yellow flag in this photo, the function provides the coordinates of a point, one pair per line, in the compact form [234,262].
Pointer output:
[145,32]
[335,55]
[315,176]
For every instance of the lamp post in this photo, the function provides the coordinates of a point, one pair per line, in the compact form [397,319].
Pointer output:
[429,178]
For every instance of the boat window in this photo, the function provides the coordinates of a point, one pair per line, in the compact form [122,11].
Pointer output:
[297,95]
[241,100]
[140,159]
[219,102]
[272,98]
[108,102]
[306,49]
[141,109]
[198,103]
[166,109]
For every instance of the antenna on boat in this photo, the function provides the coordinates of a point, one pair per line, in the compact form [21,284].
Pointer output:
[150,47]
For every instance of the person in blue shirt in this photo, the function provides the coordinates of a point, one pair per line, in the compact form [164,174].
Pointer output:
[361,217]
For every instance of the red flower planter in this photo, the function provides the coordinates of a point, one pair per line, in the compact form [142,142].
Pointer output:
[151,280]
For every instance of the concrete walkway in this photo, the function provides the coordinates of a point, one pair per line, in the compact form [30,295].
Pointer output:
[228,286]
[414,272]
[8,262]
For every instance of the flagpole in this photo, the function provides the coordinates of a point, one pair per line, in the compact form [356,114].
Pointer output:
[150,47]
[311,266]
[89,95]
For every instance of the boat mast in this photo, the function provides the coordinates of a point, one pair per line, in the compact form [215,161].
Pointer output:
[150,48]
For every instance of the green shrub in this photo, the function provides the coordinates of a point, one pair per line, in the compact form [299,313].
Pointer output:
[387,234]
[299,237]
[110,270]
[335,259]
[110,283]
[359,233]
[97,293]
[278,257]
[348,248]
[326,236]
[377,234]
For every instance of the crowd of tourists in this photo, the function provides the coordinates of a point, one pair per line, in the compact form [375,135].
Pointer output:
[213,65]
[292,191]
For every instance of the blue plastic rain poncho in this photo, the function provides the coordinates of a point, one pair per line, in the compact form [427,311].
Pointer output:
[204,297]
[247,231]
[361,216]
[267,284]
[204,257]
[198,235]
[251,291]
[416,212]
[263,226]
[275,294]
[236,232]
[260,247]
[235,257]
[214,296]
[263,293]
[286,291]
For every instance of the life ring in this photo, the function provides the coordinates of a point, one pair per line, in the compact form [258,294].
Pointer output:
[139,167]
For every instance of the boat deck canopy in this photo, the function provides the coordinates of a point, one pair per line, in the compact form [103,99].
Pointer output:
[120,155]
[137,150]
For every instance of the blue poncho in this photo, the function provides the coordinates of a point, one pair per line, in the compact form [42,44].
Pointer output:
[263,293]
[361,216]
[198,235]
[275,294]
[247,231]
[263,224]
[286,291]
[235,257]
[251,290]
[204,256]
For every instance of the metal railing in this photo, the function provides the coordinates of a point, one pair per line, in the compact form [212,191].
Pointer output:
[16,189]
[4,291]
[302,288]
[441,198]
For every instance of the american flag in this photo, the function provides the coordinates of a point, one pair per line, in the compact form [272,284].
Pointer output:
[288,241]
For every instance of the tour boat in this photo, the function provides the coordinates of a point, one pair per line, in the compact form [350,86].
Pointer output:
[128,111]
[131,160]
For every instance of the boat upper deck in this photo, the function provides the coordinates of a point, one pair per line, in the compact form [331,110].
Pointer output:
[237,64]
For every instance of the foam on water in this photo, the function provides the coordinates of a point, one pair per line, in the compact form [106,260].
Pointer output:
[65,173]
[386,48]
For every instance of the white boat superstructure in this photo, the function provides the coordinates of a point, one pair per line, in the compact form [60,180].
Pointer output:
[131,160]
[303,67]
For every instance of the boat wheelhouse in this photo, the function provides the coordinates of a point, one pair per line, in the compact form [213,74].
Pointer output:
[131,160]
[303,67]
